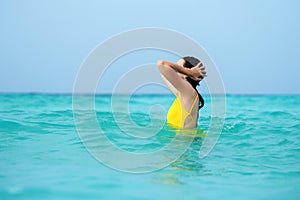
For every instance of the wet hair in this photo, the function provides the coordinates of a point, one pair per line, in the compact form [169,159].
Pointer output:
[191,62]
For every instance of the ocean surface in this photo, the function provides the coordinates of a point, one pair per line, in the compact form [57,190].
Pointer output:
[257,155]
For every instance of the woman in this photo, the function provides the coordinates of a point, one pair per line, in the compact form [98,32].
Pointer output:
[182,79]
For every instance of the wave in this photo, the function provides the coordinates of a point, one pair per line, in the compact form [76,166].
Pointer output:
[277,114]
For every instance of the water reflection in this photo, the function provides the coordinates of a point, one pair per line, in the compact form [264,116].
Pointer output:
[188,164]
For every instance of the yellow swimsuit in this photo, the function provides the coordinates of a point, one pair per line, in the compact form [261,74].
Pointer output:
[177,114]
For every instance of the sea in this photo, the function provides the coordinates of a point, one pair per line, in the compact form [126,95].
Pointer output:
[117,149]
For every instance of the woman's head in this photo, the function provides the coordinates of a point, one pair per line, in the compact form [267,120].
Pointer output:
[190,62]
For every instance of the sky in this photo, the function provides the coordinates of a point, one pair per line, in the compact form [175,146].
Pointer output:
[254,44]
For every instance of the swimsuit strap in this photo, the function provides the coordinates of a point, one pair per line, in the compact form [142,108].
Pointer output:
[192,108]
[179,97]
[193,104]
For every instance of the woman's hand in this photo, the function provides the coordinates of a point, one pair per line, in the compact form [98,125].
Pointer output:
[198,72]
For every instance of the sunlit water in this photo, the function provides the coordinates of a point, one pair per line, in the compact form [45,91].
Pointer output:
[257,155]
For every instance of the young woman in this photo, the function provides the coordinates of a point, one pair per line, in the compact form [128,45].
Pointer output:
[182,79]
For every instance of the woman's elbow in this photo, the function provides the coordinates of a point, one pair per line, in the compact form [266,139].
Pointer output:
[160,63]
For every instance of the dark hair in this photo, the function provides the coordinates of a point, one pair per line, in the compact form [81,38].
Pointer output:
[191,62]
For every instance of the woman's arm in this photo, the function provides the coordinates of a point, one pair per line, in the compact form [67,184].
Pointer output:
[197,73]
[170,86]
[176,67]
[177,84]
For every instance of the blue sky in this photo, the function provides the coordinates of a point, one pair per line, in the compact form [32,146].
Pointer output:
[255,44]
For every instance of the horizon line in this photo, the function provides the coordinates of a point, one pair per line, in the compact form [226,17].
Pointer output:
[107,94]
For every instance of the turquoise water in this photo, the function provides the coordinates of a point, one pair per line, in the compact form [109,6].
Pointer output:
[256,157]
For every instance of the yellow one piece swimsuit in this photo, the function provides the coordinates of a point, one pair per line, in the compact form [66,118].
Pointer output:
[177,114]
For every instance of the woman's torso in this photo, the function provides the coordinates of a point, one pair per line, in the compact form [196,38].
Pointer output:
[183,113]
